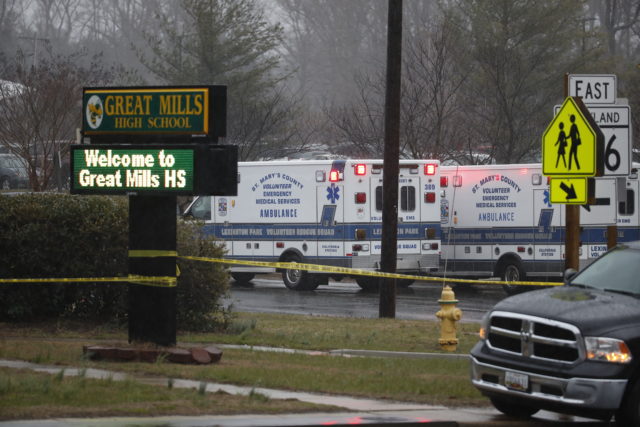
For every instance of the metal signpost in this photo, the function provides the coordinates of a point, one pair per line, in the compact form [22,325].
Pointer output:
[572,152]
[152,144]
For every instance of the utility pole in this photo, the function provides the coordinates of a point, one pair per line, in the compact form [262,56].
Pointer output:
[391,160]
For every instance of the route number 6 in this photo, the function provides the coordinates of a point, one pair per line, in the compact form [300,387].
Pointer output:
[609,152]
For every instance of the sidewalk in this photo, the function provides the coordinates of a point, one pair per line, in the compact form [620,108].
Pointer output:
[365,411]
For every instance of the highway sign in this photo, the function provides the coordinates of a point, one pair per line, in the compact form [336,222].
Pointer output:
[615,123]
[593,88]
[572,144]
[568,191]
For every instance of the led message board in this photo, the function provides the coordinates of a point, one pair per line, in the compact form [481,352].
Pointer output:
[188,169]
[117,170]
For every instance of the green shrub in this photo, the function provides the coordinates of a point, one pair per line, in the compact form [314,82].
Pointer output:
[56,235]
[201,285]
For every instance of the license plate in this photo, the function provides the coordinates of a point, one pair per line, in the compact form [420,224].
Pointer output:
[516,381]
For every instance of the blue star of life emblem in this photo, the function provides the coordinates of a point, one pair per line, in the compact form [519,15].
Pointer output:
[333,193]
[546,198]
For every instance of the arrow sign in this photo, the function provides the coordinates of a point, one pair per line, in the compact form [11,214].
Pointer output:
[568,191]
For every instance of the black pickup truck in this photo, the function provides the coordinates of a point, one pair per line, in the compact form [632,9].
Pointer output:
[572,349]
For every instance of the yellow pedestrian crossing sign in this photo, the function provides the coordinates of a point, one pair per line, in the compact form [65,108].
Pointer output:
[571,191]
[572,145]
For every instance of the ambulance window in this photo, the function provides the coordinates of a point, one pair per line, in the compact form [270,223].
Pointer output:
[201,208]
[627,207]
[379,198]
[407,198]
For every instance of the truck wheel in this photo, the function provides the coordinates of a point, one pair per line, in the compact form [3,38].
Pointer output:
[243,278]
[512,409]
[368,284]
[629,412]
[512,272]
[298,280]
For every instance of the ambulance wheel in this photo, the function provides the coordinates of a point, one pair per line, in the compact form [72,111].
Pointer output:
[512,271]
[243,278]
[368,284]
[298,280]
[404,283]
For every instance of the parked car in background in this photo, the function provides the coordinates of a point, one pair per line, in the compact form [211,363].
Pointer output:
[13,174]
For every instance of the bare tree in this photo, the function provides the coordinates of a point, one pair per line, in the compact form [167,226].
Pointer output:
[520,52]
[330,42]
[430,116]
[10,12]
[434,78]
[229,42]
[358,127]
[617,19]
[39,114]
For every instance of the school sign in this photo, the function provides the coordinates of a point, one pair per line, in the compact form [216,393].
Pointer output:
[169,111]
[570,143]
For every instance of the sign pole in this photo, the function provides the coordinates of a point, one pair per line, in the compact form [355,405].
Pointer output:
[152,252]
[572,237]
[572,228]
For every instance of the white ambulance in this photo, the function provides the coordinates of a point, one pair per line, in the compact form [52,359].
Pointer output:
[326,212]
[497,221]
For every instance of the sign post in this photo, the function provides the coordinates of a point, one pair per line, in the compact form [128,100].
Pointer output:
[152,144]
[572,153]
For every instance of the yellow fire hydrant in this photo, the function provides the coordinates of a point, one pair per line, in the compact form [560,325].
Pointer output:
[448,314]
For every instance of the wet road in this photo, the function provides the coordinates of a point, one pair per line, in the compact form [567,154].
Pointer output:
[267,294]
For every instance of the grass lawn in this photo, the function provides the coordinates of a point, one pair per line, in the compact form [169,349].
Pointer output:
[31,395]
[442,381]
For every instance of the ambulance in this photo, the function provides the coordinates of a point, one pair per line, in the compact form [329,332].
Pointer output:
[498,221]
[326,212]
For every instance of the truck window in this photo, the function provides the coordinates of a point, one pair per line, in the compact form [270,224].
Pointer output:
[407,198]
[201,208]
[627,207]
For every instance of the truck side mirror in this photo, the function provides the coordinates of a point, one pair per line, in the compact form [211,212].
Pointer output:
[569,274]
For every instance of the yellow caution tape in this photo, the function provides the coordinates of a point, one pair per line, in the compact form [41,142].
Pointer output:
[153,253]
[358,272]
[159,281]
[150,253]
[168,281]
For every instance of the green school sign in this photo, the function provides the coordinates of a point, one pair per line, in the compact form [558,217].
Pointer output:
[154,111]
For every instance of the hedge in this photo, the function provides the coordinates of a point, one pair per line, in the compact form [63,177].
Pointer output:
[59,235]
